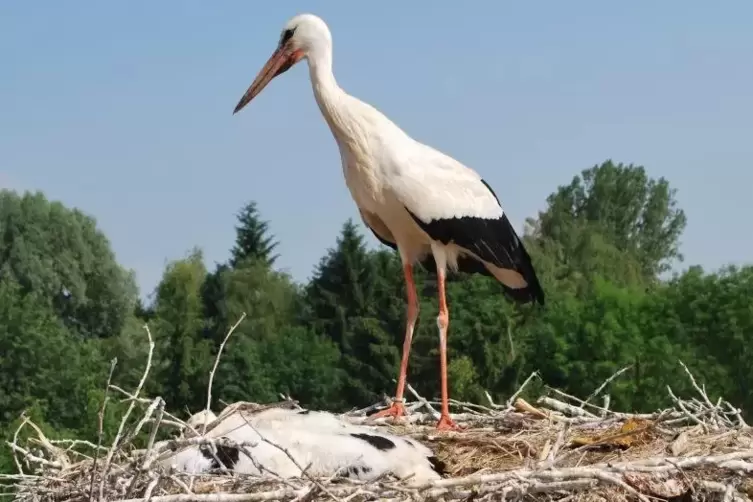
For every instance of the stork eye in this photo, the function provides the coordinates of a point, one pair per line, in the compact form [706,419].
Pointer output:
[286,35]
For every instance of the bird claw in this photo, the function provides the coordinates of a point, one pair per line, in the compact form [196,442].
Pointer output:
[446,424]
[396,411]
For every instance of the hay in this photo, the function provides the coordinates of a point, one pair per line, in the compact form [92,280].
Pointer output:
[560,449]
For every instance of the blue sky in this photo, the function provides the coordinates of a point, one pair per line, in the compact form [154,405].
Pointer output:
[124,109]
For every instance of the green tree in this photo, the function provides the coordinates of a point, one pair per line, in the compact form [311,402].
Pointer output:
[343,301]
[143,312]
[183,356]
[59,254]
[267,354]
[41,363]
[636,213]
[711,314]
[266,297]
[252,237]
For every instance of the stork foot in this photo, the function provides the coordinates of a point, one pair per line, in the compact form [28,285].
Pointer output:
[446,424]
[395,411]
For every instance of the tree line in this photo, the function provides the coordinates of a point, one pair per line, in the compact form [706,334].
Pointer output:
[603,247]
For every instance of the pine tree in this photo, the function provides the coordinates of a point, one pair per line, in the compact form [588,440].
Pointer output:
[252,238]
[340,284]
[346,301]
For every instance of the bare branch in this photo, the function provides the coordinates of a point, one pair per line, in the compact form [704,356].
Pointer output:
[214,368]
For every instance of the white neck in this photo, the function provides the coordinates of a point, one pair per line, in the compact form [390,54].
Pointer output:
[329,96]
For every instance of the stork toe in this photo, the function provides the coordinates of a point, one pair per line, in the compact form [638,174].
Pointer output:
[396,411]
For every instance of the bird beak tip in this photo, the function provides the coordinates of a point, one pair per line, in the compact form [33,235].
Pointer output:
[278,63]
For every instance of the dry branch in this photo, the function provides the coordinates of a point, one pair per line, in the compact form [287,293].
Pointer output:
[562,448]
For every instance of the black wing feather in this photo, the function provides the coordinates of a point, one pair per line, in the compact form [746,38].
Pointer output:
[465,264]
[493,240]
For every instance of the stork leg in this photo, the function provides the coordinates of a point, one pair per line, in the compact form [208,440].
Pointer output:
[398,409]
[443,321]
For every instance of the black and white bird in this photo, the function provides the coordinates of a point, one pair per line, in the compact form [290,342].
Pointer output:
[325,443]
[428,206]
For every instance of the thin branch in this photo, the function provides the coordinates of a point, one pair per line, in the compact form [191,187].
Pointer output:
[214,368]
[606,382]
[123,421]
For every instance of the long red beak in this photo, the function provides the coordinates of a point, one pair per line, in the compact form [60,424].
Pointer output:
[278,63]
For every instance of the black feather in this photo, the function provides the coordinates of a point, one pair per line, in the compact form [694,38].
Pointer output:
[378,442]
[354,471]
[438,466]
[493,240]
[465,264]
[228,455]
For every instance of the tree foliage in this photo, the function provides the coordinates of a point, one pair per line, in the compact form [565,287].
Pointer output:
[60,255]
[600,247]
[633,212]
[252,238]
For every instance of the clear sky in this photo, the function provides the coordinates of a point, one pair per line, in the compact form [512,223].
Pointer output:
[124,109]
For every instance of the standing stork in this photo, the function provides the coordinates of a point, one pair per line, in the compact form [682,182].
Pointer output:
[428,206]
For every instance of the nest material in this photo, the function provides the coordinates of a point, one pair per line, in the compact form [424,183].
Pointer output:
[562,449]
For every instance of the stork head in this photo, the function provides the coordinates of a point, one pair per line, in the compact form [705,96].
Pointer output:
[303,36]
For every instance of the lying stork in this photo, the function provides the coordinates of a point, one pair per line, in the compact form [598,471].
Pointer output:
[321,441]
[429,207]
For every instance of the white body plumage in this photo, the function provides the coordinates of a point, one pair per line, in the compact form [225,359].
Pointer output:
[322,440]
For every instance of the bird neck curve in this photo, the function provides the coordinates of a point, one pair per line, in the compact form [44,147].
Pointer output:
[329,96]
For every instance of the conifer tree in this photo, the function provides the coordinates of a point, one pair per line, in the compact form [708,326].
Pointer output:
[344,299]
[253,239]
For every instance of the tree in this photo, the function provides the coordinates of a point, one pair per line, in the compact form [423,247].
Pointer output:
[267,354]
[212,298]
[335,341]
[59,254]
[143,312]
[252,238]
[42,364]
[183,355]
[342,302]
[711,314]
[636,213]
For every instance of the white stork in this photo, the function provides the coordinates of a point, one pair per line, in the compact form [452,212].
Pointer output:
[430,207]
[280,442]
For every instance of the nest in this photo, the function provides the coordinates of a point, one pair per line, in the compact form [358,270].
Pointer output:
[559,449]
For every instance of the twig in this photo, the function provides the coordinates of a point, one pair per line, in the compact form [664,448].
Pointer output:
[603,385]
[683,407]
[565,407]
[422,400]
[15,441]
[516,433]
[119,434]
[27,454]
[214,368]
[511,400]
[148,458]
[698,389]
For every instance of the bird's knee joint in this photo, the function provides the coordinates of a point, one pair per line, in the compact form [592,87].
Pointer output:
[443,321]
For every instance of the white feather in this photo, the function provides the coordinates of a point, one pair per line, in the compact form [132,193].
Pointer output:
[319,439]
[434,186]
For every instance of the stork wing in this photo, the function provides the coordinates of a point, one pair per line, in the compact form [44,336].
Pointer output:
[453,204]
[434,186]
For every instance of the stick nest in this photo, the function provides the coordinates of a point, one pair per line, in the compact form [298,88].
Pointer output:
[559,449]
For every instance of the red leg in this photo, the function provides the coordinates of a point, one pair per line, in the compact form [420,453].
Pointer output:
[397,409]
[443,322]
